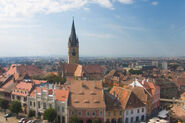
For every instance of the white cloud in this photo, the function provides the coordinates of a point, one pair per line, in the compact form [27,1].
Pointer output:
[28,8]
[22,8]
[126,1]
[155,3]
[18,26]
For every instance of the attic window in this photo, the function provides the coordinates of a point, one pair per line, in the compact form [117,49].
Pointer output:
[81,93]
[86,101]
[92,93]
[76,101]
[96,101]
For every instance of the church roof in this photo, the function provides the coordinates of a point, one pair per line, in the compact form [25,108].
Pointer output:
[73,40]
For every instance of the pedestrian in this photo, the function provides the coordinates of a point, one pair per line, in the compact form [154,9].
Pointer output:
[6,119]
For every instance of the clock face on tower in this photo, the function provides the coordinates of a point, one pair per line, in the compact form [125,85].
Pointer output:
[74,53]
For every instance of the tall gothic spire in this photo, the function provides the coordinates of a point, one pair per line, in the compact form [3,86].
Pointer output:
[73,38]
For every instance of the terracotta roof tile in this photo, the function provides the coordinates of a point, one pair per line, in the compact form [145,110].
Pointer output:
[86,100]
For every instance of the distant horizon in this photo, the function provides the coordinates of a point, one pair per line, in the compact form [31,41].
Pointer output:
[65,56]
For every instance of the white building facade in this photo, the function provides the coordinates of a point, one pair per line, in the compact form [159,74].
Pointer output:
[43,98]
[134,115]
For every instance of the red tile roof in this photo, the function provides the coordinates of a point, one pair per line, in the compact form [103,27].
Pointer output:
[127,98]
[24,86]
[86,94]
[37,82]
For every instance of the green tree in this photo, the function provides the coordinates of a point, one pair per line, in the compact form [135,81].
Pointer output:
[31,113]
[15,107]
[52,78]
[96,121]
[50,114]
[4,104]
[135,71]
[74,119]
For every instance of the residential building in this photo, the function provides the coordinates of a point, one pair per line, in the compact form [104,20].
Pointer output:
[149,94]
[133,108]
[42,98]
[87,101]
[20,93]
[114,111]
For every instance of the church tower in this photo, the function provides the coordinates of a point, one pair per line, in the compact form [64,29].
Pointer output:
[73,47]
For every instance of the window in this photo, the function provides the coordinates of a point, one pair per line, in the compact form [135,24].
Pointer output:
[126,112]
[143,118]
[114,113]
[94,114]
[63,109]
[132,112]
[13,97]
[101,113]
[50,105]
[18,97]
[30,103]
[88,114]
[142,109]
[34,104]
[58,108]
[137,110]
[38,104]
[126,121]
[44,105]
[72,112]
[79,113]
[132,119]
[137,119]
[120,112]
[25,99]
[109,114]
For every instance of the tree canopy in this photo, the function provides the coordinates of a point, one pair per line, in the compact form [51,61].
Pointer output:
[135,71]
[15,107]
[50,114]
[96,121]
[4,104]
[74,119]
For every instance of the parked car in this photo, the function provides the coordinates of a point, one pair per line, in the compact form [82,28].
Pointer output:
[24,121]
[21,120]
[31,121]
[8,115]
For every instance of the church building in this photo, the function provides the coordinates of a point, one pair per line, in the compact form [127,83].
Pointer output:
[73,69]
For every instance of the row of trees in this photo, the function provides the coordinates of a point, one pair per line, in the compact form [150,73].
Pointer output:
[52,78]
[132,71]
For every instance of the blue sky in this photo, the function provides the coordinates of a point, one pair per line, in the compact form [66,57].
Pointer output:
[104,27]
